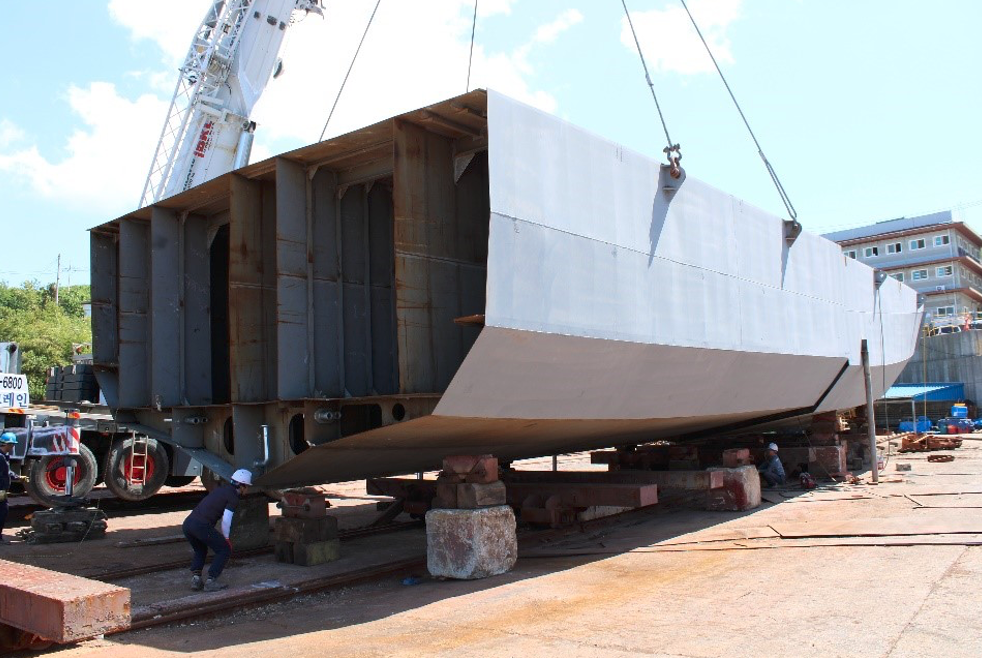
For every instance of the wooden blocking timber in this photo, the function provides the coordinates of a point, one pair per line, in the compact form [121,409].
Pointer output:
[476,469]
[473,496]
[735,457]
[305,531]
[308,555]
[60,607]
[250,523]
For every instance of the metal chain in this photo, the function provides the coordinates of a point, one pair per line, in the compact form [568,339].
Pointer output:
[351,66]
[470,59]
[760,151]
[671,147]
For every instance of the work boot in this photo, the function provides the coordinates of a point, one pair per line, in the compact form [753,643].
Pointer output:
[196,583]
[212,585]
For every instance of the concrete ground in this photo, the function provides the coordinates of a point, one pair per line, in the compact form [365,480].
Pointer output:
[681,583]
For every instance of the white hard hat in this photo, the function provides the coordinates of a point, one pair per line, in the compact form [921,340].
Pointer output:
[242,476]
[770,446]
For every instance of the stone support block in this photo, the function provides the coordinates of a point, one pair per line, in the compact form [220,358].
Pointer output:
[60,607]
[470,544]
[740,490]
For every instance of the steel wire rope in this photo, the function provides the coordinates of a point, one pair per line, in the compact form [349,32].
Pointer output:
[760,151]
[647,76]
[470,57]
[350,66]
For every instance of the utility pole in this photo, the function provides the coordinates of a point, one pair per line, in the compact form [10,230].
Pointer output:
[57,278]
[870,419]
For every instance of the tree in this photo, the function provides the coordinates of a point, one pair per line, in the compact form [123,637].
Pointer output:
[44,330]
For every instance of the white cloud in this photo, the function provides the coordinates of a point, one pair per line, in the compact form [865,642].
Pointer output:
[106,163]
[171,28]
[415,54]
[670,43]
[9,133]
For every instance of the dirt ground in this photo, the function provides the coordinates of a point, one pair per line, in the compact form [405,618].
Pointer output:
[682,583]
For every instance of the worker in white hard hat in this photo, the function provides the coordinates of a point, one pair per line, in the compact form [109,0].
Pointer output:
[199,529]
[771,469]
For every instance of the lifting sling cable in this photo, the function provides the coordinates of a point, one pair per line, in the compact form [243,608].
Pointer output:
[470,58]
[760,151]
[671,147]
[351,66]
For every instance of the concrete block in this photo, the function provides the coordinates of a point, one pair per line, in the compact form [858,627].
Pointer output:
[305,530]
[250,523]
[60,607]
[735,457]
[472,496]
[740,490]
[314,553]
[470,544]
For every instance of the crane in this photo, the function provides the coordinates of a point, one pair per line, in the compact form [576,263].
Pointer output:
[231,59]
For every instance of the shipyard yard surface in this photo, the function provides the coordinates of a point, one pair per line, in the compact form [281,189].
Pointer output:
[664,583]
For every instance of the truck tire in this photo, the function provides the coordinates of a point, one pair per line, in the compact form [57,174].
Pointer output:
[47,477]
[179,480]
[118,466]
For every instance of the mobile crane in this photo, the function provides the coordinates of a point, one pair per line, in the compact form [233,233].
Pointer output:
[207,132]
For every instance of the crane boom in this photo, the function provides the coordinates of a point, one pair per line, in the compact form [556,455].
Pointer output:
[207,131]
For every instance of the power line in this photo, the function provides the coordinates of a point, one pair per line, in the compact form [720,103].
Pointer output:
[470,58]
[760,151]
[351,66]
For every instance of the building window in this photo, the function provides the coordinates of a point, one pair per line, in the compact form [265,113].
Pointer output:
[869,252]
[945,311]
[940,240]
[943,271]
[899,276]
[917,275]
[895,248]
[917,244]
[851,254]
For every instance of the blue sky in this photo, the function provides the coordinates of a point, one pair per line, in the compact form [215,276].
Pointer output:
[868,109]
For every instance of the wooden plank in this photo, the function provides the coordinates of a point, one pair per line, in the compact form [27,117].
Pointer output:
[880,527]
[60,607]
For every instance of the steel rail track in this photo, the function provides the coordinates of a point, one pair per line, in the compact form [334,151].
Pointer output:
[343,535]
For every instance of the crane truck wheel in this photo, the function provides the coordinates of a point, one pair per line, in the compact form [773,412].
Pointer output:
[47,477]
[179,480]
[122,473]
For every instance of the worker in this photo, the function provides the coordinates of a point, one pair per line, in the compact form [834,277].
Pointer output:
[7,442]
[771,470]
[199,529]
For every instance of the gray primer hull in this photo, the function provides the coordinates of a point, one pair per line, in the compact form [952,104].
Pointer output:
[313,297]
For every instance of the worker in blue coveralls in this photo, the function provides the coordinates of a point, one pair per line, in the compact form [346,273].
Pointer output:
[7,476]
[199,529]
[771,470]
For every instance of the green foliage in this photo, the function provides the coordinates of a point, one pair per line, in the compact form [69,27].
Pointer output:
[44,330]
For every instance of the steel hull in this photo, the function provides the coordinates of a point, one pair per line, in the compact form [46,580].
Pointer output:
[311,300]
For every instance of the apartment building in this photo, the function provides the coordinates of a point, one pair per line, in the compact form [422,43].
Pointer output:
[933,254]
